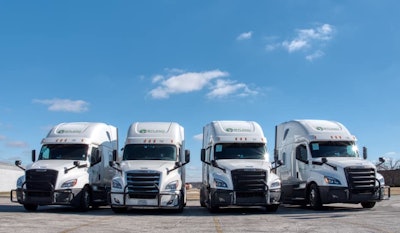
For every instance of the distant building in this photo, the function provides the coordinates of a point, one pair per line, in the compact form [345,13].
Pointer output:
[8,176]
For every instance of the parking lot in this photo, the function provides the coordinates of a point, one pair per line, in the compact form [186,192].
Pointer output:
[384,217]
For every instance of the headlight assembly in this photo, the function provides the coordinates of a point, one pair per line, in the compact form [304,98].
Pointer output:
[331,180]
[69,183]
[116,184]
[220,183]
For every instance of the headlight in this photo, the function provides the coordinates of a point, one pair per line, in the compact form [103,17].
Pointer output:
[331,180]
[276,184]
[69,183]
[20,181]
[116,184]
[172,186]
[220,183]
[381,179]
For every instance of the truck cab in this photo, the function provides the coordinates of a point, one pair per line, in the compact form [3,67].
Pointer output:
[236,170]
[72,167]
[151,172]
[322,164]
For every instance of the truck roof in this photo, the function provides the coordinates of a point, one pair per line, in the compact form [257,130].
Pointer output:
[314,130]
[81,132]
[155,132]
[233,131]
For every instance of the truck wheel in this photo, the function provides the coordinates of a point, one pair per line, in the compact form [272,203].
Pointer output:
[202,198]
[118,210]
[211,208]
[368,204]
[314,197]
[84,199]
[272,208]
[181,204]
[30,207]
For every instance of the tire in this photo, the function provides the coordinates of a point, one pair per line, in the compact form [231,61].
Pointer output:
[314,197]
[368,204]
[202,198]
[211,208]
[181,203]
[272,208]
[30,207]
[84,200]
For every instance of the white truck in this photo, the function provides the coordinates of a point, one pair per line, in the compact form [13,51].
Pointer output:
[321,164]
[72,167]
[151,173]
[236,170]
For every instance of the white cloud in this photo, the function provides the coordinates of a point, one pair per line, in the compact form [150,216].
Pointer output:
[198,137]
[224,88]
[2,137]
[310,39]
[196,81]
[184,83]
[245,36]
[64,105]
[17,144]
[295,45]
[315,55]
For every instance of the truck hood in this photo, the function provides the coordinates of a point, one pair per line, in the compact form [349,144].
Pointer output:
[157,165]
[58,165]
[232,164]
[348,162]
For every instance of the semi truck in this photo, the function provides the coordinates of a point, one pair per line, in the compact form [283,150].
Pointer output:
[151,172]
[236,170]
[72,167]
[321,164]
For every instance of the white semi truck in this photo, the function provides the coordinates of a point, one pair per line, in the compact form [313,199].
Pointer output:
[236,170]
[151,173]
[72,167]
[321,165]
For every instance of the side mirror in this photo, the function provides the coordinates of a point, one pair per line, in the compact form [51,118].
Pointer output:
[33,155]
[381,160]
[187,156]
[279,162]
[18,163]
[365,154]
[203,155]
[114,156]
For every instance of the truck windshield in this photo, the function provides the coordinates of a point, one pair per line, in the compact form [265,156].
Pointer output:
[63,152]
[149,152]
[333,149]
[239,151]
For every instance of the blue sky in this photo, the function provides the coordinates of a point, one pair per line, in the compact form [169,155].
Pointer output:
[193,62]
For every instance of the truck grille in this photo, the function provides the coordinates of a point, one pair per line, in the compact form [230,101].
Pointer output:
[143,184]
[40,181]
[360,180]
[249,180]
[249,186]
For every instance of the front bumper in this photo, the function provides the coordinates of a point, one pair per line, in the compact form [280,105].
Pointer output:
[221,197]
[330,194]
[40,197]
[167,200]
